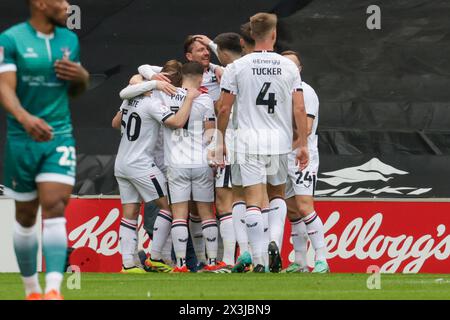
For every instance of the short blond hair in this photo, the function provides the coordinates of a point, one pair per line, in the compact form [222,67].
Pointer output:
[261,24]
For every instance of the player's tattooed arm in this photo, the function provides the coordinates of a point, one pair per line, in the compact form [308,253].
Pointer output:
[210,126]
[36,127]
[222,123]
[178,120]
[298,105]
[75,73]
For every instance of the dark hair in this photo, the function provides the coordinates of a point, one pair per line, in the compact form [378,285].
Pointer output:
[173,70]
[192,68]
[246,35]
[292,53]
[188,43]
[229,41]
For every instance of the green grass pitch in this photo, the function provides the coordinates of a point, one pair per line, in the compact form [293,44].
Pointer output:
[156,286]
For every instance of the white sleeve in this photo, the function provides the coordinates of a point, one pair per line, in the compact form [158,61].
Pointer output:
[137,89]
[213,67]
[148,71]
[158,110]
[228,82]
[213,47]
[297,84]
[123,105]
[311,102]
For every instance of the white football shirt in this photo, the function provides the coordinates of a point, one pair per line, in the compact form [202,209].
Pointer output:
[210,82]
[263,83]
[185,147]
[141,121]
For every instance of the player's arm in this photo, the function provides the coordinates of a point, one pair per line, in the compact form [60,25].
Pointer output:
[134,90]
[116,121]
[209,124]
[309,124]
[75,73]
[37,128]
[222,120]
[152,73]
[178,120]
[299,112]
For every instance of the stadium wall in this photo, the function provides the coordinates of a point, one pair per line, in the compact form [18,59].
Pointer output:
[397,236]
[8,262]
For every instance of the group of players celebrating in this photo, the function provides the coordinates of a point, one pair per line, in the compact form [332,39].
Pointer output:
[223,152]
[203,143]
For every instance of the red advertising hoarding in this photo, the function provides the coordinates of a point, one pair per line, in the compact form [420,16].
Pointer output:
[407,237]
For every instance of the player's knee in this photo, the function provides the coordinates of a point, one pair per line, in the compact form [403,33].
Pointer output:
[306,209]
[26,213]
[293,215]
[53,208]
[26,219]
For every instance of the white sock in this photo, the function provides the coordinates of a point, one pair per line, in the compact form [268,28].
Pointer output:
[255,232]
[277,217]
[161,231]
[26,249]
[53,281]
[228,238]
[54,245]
[211,235]
[265,212]
[167,250]
[128,241]
[300,241]
[314,226]
[195,228]
[180,236]
[239,211]
[31,284]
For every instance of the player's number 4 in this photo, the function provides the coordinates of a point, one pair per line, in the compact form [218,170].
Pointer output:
[270,102]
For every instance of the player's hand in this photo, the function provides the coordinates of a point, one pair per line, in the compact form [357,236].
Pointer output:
[211,157]
[218,72]
[161,77]
[302,158]
[203,39]
[166,87]
[70,71]
[220,153]
[193,93]
[37,128]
